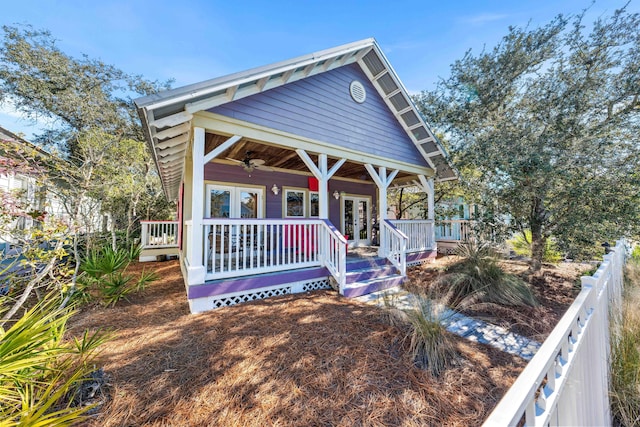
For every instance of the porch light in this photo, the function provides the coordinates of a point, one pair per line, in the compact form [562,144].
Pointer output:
[336,195]
[275,189]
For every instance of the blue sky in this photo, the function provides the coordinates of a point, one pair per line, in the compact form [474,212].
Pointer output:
[194,40]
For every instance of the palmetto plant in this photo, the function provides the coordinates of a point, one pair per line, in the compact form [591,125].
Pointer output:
[39,370]
[103,271]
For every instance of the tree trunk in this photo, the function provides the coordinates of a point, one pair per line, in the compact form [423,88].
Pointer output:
[538,242]
[114,243]
[538,238]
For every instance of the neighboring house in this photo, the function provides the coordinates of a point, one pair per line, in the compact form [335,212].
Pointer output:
[34,194]
[454,223]
[281,170]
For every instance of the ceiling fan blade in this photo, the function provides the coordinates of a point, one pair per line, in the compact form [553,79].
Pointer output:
[264,168]
[257,162]
[234,160]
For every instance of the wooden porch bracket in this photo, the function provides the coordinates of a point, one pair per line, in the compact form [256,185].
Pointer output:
[221,148]
[322,175]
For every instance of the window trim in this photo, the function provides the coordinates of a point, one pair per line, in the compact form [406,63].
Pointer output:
[305,197]
[235,190]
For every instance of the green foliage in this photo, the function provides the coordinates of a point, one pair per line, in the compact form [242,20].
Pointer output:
[478,274]
[39,370]
[430,344]
[103,271]
[105,261]
[635,254]
[625,353]
[549,119]
[521,245]
[95,128]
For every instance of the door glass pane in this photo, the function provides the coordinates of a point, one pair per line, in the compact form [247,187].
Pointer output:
[220,203]
[248,204]
[295,203]
[348,219]
[362,219]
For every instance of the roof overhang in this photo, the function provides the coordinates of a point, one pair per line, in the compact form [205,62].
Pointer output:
[167,116]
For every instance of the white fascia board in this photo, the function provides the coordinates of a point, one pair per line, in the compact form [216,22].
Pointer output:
[211,86]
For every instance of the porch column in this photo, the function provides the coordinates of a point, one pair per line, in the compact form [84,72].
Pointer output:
[428,187]
[383,181]
[322,175]
[196,269]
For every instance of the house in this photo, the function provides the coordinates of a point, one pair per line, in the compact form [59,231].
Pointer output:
[26,188]
[35,191]
[281,173]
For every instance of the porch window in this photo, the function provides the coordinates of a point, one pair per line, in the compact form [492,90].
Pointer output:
[234,202]
[314,204]
[294,203]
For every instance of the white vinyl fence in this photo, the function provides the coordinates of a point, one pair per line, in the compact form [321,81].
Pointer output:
[567,381]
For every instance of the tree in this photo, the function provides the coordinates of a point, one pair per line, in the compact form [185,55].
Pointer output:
[96,125]
[550,119]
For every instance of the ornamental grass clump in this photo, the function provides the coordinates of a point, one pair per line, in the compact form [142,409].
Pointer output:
[625,353]
[479,274]
[430,345]
[428,342]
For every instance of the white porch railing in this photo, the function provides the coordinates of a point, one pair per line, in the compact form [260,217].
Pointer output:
[159,234]
[567,381]
[419,233]
[240,247]
[453,229]
[395,245]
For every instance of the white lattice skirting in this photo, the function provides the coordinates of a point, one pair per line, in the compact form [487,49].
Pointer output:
[199,305]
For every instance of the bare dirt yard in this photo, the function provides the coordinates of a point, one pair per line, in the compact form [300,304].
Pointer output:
[302,360]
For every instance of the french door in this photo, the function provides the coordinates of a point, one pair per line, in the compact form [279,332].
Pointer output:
[234,202]
[356,220]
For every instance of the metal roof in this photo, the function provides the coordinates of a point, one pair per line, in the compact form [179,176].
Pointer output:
[166,116]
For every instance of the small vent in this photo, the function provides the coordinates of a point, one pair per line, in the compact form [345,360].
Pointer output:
[358,93]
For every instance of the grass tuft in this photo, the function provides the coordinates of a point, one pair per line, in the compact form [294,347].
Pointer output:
[478,274]
[625,353]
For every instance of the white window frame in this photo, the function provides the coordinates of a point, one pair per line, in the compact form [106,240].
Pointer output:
[287,190]
[234,199]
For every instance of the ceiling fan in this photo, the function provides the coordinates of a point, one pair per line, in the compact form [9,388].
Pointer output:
[250,164]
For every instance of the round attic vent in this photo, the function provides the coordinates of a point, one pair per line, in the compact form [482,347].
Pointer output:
[357,91]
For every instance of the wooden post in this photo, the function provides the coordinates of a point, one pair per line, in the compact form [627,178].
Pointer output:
[429,187]
[383,181]
[196,269]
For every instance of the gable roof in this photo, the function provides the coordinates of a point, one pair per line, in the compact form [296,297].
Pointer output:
[166,115]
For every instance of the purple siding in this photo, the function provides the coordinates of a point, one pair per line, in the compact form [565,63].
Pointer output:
[236,174]
[320,107]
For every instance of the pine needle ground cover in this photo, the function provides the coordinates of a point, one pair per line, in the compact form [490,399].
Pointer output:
[308,359]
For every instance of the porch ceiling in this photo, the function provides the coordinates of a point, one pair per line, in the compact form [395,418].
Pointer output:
[287,158]
[167,116]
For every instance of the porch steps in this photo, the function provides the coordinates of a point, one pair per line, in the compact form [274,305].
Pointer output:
[370,275]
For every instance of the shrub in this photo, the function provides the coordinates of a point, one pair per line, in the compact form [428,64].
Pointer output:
[103,271]
[478,274]
[521,245]
[635,254]
[40,372]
